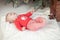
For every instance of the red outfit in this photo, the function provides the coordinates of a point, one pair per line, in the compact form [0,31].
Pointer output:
[22,20]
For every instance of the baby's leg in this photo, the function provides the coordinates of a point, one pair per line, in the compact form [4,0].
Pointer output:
[36,24]
[31,25]
[41,20]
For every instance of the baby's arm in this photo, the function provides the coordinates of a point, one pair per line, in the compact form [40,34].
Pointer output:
[29,13]
[18,26]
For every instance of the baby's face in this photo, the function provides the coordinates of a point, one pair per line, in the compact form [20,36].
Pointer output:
[11,17]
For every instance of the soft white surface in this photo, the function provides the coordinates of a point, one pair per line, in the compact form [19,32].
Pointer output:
[59,24]
[50,32]
[1,35]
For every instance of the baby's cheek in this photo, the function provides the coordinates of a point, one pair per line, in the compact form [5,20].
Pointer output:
[13,17]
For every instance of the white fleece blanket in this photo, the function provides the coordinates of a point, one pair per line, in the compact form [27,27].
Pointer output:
[50,32]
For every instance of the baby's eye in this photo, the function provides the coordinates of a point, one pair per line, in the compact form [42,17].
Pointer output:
[10,13]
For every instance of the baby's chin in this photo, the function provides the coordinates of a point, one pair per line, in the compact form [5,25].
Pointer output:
[15,17]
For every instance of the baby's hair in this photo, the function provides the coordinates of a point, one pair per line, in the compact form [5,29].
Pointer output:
[7,16]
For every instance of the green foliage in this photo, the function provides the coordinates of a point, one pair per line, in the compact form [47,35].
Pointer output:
[36,3]
[8,1]
[41,3]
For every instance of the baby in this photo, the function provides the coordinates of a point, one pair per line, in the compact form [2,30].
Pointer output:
[24,21]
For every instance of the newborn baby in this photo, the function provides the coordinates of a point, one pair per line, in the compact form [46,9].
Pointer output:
[24,21]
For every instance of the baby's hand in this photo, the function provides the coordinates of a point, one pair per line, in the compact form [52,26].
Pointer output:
[23,28]
[33,10]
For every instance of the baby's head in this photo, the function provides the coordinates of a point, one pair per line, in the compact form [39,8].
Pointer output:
[10,17]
